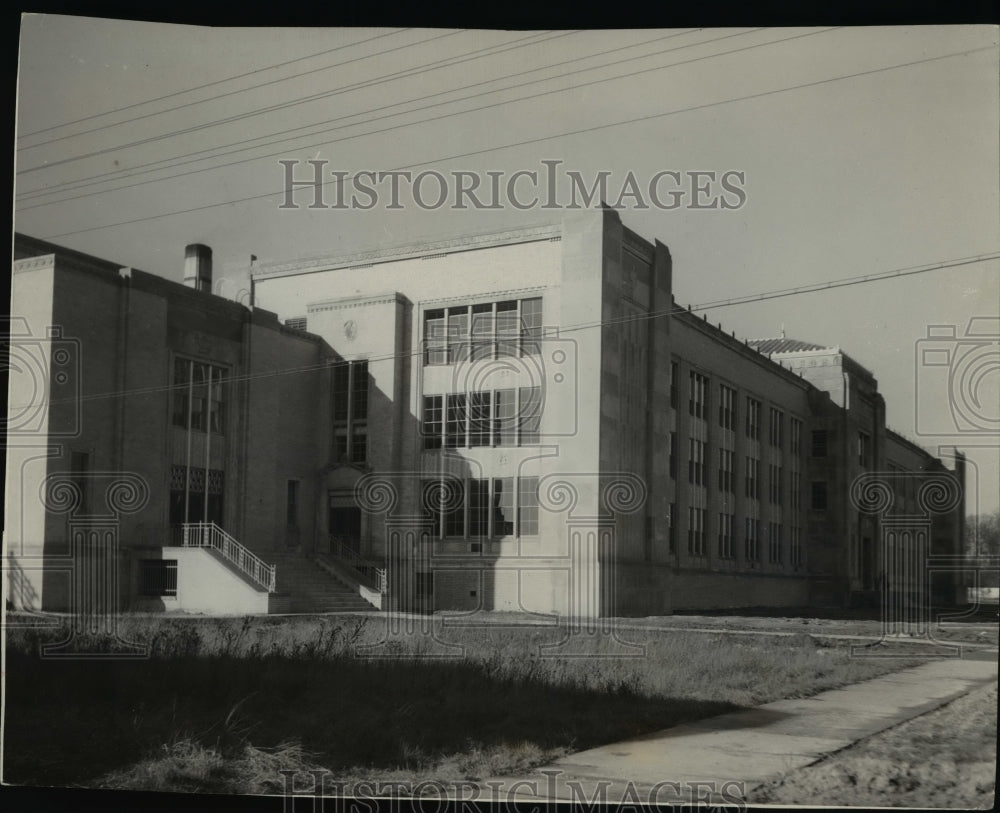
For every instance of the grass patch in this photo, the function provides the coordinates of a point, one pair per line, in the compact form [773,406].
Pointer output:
[943,759]
[221,703]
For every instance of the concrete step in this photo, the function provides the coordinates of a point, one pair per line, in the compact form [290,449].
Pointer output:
[304,587]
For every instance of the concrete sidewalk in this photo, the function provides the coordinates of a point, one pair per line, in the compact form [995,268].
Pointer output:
[694,761]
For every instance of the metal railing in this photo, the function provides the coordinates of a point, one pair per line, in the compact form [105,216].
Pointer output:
[210,535]
[365,568]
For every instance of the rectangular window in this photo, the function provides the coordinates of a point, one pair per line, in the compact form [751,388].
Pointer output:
[796,438]
[727,407]
[672,460]
[726,536]
[795,547]
[292,504]
[675,384]
[479,419]
[753,418]
[158,577]
[774,485]
[795,491]
[296,322]
[482,332]
[350,384]
[819,443]
[752,481]
[503,506]
[458,334]
[752,540]
[818,495]
[696,397]
[697,473]
[479,508]
[507,328]
[433,421]
[454,510]
[696,531]
[774,546]
[455,428]
[531,326]
[529,415]
[864,449]
[430,502]
[435,340]
[504,413]
[672,527]
[527,510]
[726,475]
[198,394]
[777,427]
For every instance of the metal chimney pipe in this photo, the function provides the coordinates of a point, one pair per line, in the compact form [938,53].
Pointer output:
[198,267]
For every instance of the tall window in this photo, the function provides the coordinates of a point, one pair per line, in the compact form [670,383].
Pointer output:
[530,415]
[751,540]
[527,506]
[672,460]
[350,410]
[504,412]
[454,436]
[774,544]
[696,531]
[774,486]
[696,463]
[776,427]
[479,508]
[796,436]
[726,536]
[727,407]
[433,421]
[753,418]
[726,475]
[795,546]
[864,449]
[503,506]
[479,419]
[675,384]
[482,331]
[819,443]
[795,490]
[696,396]
[199,396]
[752,481]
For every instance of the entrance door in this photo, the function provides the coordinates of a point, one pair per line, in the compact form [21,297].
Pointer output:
[345,525]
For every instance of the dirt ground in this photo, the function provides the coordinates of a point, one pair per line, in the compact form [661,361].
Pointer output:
[943,759]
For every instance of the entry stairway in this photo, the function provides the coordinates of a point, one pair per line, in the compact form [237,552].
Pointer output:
[304,586]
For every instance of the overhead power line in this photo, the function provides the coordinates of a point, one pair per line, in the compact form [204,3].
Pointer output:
[540,139]
[189,90]
[562,330]
[176,161]
[326,94]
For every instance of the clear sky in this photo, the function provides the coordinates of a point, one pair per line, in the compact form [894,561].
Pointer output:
[864,150]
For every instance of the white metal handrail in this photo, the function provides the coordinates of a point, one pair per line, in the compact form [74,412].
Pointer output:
[210,535]
[363,567]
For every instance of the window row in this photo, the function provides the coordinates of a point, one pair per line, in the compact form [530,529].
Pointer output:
[511,417]
[481,508]
[484,331]
[199,400]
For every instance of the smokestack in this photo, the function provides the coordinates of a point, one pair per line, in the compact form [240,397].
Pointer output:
[198,267]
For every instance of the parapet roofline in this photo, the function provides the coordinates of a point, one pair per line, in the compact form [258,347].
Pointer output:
[406,251]
[806,349]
